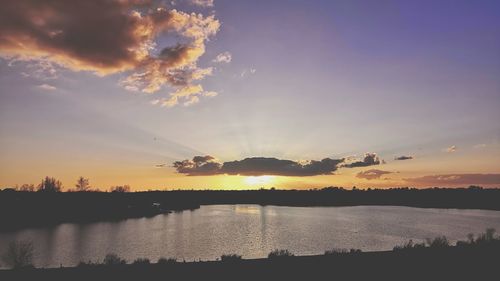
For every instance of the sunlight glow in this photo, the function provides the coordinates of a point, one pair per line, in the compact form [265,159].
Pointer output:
[260,180]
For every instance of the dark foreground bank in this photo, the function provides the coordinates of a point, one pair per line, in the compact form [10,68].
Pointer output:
[27,209]
[450,263]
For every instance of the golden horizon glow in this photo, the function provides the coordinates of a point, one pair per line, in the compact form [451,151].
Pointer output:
[259,180]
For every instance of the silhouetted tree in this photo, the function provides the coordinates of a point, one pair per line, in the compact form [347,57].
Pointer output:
[27,187]
[488,236]
[82,184]
[120,188]
[19,254]
[50,185]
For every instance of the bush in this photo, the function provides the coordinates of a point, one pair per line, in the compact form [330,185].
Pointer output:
[280,254]
[19,254]
[405,246]
[354,251]
[120,188]
[141,261]
[470,238]
[438,242]
[113,259]
[166,261]
[86,264]
[408,246]
[334,252]
[230,258]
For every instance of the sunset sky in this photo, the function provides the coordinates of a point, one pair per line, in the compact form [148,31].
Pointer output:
[290,94]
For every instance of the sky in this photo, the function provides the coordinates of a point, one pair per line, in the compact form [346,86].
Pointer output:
[201,94]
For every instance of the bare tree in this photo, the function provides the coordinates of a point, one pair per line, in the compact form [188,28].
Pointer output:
[19,254]
[82,184]
[50,185]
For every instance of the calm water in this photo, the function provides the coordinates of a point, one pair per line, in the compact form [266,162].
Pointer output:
[249,230]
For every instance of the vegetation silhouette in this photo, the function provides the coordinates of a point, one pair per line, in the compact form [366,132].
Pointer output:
[49,184]
[279,254]
[120,188]
[166,261]
[82,184]
[141,262]
[23,208]
[113,260]
[230,258]
[335,252]
[436,259]
[19,254]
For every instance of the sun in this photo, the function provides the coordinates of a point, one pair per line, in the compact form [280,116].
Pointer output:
[259,180]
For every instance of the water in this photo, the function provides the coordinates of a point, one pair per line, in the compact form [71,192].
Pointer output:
[249,230]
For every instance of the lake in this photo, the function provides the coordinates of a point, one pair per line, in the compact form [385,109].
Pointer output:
[249,230]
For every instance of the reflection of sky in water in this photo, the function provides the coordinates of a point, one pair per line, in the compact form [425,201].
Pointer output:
[249,230]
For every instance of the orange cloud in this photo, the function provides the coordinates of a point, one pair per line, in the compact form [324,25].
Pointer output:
[456,179]
[372,174]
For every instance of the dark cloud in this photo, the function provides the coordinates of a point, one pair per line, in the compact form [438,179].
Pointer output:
[372,174]
[369,160]
[96,35]
[403,157]
[199,166]
[110,36]
[201,159]
[256,166]
[456,179]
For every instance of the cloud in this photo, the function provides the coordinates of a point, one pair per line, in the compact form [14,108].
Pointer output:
[369,160]
[256,166]
[199,166]
[203,3]
[456,179]
[249,71]
[110,36]
[41,69]
[47,87]
[372,174]
[189,93]
[481,145]
[223,58]
[403,157]
[451,149]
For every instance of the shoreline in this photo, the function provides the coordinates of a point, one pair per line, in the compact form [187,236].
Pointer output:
[430,263]
[19,210]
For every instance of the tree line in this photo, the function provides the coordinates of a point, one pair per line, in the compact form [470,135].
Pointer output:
[51,184]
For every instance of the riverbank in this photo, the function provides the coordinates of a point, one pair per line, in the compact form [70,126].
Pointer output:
[448,263]
[32,209]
